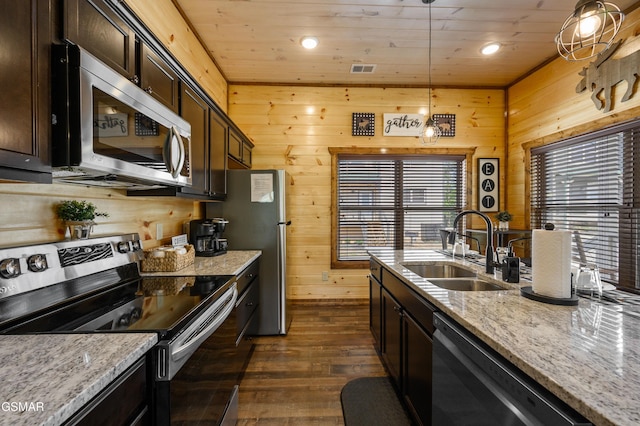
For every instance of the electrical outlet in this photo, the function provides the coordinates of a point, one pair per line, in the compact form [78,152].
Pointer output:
[325,276]
[159,233]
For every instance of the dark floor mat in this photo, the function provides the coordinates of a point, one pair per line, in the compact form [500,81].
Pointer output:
[369,401]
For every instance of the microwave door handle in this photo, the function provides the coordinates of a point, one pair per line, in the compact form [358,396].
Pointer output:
[183,154]
[168,152]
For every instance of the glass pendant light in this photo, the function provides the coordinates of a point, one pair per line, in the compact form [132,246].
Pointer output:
[431,132]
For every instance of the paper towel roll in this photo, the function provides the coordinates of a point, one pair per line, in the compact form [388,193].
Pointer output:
[551,263]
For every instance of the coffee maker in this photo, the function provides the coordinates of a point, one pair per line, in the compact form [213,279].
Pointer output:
[206,236]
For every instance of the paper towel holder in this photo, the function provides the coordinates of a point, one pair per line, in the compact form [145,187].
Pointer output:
[529,294]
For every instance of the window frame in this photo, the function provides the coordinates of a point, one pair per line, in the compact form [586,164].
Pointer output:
[628,210]
[335,152]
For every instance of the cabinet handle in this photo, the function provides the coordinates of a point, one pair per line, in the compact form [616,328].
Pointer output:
[249,304]
[149,90]
[135,79]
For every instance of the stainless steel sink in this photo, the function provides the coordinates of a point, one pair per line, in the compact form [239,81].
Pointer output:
[429,270]
[465,284]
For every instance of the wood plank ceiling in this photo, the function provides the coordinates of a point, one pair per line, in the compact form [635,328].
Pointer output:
[258,41]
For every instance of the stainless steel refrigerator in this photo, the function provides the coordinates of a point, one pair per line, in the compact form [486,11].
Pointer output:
[256,210]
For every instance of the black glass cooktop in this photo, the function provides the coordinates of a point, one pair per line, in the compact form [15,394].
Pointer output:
[159,304]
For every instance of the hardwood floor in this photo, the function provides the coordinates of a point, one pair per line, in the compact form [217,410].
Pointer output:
[296,379]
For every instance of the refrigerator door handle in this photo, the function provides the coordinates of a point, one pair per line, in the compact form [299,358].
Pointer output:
[285,223]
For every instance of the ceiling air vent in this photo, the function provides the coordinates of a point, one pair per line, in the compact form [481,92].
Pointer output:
[362,68]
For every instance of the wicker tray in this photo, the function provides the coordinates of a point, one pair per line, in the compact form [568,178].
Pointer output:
[169,286]
[171,261]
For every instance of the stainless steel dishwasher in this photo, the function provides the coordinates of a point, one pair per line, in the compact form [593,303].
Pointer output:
[474,385]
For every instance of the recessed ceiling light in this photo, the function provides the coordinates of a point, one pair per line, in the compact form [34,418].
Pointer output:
[309,42]
[490,49]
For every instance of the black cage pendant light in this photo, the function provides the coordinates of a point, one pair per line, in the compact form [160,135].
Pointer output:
[589,30]
[431,132]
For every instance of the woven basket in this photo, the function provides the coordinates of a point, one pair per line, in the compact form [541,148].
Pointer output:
[171,261]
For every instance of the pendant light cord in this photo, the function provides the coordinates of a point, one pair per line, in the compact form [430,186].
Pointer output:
[429,60]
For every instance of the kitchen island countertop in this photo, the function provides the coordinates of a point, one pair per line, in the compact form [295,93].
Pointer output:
[231,263]
[54,375]
[588,355]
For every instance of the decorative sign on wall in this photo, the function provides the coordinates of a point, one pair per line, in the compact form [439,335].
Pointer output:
[488,184]
[446,123]
[403,124]
[602,75]
[363,124]
[111,125]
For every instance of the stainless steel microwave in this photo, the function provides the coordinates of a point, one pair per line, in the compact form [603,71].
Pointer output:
[109,132]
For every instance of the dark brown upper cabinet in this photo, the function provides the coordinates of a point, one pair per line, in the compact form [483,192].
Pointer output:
[157,78]
[92,25]
[25,111]
[240,150]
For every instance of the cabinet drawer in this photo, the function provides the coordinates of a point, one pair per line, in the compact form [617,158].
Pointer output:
[376,270]
[246,276]
[247,305]
[421,310]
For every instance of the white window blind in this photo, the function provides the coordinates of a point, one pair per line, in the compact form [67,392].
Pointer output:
[589,185]
[395,201]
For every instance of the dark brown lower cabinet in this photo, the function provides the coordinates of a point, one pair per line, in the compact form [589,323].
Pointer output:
[403,337]
[123,402]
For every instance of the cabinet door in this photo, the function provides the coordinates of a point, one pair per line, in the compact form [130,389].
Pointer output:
[196,111]
[157,78]
[218,155]
[92,25]
[417,366]
[391,336]
[375,311]
[235,145]
[246,155]
[25,118]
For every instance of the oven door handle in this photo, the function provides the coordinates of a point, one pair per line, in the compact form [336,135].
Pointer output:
[207,325]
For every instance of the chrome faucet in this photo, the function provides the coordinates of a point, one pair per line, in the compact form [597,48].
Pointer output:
[489,255]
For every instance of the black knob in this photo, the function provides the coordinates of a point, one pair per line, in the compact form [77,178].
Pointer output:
[37,263]
[10,268]
[124,320]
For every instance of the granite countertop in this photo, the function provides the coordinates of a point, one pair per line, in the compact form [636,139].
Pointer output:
[588,355]
[231,263]
[54,375]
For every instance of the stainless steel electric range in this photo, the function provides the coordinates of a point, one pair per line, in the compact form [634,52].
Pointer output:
[94,285]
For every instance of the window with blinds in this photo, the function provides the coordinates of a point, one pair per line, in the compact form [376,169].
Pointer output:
[396,201]
[590,185]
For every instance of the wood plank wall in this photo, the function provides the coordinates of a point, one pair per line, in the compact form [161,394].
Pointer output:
[27,213]
[292,128]
[544,108]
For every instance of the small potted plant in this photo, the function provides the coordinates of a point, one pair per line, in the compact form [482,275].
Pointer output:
[504,217]
[78,216]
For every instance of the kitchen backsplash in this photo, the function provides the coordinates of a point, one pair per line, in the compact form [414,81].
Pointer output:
[27,213]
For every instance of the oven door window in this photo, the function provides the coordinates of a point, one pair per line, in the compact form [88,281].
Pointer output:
[122,133]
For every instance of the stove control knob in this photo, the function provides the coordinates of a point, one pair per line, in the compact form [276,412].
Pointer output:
[124,247]
[136,245]
[10,268]
[37,263]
